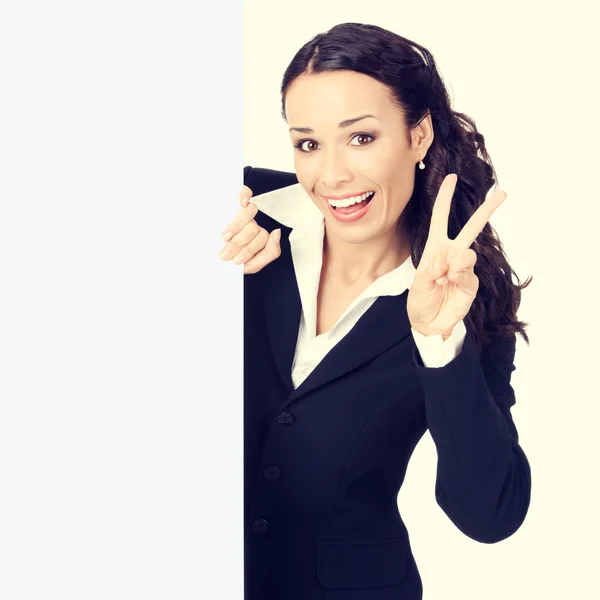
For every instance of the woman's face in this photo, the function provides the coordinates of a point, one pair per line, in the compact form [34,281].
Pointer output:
[372,154]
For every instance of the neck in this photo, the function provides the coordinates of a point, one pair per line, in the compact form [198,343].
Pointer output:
[353,263]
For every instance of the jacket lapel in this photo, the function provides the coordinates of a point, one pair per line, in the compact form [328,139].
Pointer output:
[283,308]
[383,325]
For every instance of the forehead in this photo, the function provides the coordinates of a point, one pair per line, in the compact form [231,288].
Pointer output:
[325,99]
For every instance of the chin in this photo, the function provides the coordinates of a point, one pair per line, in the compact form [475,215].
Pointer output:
[358,235]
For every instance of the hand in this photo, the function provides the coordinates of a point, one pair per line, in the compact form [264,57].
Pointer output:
[445,283]
[248,243]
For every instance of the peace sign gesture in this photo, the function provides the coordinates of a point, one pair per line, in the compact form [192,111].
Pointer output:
[445,283]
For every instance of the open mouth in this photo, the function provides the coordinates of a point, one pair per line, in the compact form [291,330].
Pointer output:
[353,207]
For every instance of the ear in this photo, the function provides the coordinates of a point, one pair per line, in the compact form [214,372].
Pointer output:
[422,136]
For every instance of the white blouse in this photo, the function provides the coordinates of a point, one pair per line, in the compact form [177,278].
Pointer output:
[292,206]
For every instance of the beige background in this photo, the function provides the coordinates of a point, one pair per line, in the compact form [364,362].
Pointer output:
[523,73]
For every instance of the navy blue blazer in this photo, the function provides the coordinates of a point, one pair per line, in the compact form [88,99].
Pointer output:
[323,464]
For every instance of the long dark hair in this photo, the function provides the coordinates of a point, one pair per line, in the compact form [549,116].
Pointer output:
[410,72]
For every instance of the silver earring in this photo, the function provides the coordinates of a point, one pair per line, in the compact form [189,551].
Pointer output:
[421,165]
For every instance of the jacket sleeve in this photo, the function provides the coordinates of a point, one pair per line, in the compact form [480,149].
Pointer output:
[483,479]
[434,351]
[261,180]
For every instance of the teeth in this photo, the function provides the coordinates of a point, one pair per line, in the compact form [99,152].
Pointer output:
[350,201]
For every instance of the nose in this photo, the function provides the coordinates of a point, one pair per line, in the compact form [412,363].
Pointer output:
[334,171]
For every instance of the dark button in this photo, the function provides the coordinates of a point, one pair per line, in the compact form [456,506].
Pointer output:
[272,472]
[285,418]
[260,526]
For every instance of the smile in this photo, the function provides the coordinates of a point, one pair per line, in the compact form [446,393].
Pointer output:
[351,209]
[350,201]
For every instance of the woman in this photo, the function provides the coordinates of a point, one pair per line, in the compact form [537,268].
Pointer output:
[369,321]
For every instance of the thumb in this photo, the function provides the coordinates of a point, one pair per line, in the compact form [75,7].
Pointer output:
[439,270]
[274,242]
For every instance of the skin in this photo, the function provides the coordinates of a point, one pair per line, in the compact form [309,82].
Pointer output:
[376,153]
[247,242]
[337,161]
[445,284]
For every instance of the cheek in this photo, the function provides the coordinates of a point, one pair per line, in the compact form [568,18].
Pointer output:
[399,191]
[306,175]
[393,163]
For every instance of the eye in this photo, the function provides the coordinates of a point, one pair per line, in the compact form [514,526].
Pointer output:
[364,135]
[356,135]
[301,143]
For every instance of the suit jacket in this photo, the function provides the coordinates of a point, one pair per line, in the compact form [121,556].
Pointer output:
[324,463]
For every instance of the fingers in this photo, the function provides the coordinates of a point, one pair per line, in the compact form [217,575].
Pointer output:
[439,268]
[244,216]
[241,240]
[463,261]
[248,243]
[466,280]
[269,253]
[459,268]
[252,247]
[245,195]
[478,220]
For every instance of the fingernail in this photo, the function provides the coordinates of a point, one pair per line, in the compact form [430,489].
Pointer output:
[225,254]
[238,259]
[226,236]
[442,280]
[277,235]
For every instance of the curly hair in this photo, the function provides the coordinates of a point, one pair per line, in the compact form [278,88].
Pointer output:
[410,73]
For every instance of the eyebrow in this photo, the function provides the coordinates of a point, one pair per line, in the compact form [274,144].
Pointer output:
[341,125]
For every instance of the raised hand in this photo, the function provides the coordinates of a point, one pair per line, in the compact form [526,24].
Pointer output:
[248,243]
[445,283]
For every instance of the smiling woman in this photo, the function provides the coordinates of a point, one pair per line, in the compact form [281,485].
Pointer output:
[404,115]
[388,310]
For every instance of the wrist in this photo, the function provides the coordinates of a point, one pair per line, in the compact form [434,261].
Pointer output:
[428,331]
